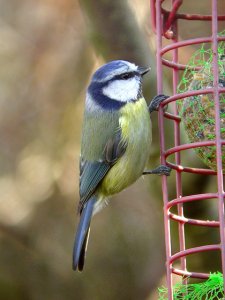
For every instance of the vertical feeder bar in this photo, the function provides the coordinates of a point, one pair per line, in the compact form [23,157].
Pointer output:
[180,208]
[158,24]
[218,132]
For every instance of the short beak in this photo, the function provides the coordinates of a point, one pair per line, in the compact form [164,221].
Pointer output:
[143,70]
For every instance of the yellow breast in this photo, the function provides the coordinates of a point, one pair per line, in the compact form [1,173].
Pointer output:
[135,125]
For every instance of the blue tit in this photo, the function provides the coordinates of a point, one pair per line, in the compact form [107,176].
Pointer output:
[115,145]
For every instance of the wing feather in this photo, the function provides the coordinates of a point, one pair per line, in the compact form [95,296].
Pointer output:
[93,172]
[91,175]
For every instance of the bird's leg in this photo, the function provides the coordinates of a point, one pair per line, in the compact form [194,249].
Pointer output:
[154,105]
[161,170]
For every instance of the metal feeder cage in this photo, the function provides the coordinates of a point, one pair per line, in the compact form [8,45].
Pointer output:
[165,23]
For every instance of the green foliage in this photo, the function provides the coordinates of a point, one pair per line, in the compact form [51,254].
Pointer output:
[211,289]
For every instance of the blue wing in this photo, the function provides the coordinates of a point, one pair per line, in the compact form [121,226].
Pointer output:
[91,175]
[92,172]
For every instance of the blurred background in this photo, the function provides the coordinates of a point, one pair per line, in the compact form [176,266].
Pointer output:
[48,51]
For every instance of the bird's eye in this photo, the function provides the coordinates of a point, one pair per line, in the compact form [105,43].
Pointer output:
[125,76]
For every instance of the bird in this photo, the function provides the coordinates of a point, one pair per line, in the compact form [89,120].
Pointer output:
[115,143]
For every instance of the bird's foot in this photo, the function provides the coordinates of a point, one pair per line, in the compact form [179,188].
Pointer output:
[154,105]
[161,170]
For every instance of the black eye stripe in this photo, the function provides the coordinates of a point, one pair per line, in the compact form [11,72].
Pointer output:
[125,76]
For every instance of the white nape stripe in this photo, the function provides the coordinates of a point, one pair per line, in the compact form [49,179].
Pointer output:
[90,104]
[122,90]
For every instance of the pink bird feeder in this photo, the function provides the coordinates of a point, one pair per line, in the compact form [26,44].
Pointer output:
[165,24]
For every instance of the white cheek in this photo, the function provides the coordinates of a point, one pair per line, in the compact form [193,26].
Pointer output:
[122,90]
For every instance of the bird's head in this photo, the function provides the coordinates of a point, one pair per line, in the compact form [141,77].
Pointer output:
[117,80]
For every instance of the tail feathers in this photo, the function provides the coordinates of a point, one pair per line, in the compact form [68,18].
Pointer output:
[81,239]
